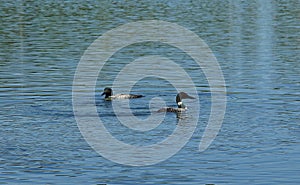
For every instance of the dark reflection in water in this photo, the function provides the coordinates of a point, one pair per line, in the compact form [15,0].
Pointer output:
[256,44]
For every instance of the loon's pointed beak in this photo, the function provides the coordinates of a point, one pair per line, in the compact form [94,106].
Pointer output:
[102,93]
[190,97]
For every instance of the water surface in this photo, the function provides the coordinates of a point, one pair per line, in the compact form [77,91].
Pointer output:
[257,47]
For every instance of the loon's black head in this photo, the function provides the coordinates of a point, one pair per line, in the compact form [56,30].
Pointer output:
[107,92]
[180,96]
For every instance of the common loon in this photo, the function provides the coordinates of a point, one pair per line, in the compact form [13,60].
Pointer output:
[109,95]
[181,106]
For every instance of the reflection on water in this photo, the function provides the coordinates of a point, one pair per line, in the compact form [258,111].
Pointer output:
[256,44]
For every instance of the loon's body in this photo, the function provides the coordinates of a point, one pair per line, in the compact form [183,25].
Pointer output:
[181,106]
[109,95]
[171,109]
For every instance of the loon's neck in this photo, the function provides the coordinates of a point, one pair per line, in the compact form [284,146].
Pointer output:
[179,102]
[181,105]
[108,96]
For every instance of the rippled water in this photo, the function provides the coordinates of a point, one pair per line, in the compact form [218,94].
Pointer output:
[257,47]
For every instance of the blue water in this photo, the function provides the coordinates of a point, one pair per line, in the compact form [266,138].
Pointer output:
[255,43]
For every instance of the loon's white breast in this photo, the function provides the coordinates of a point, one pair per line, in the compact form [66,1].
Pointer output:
[171,109]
